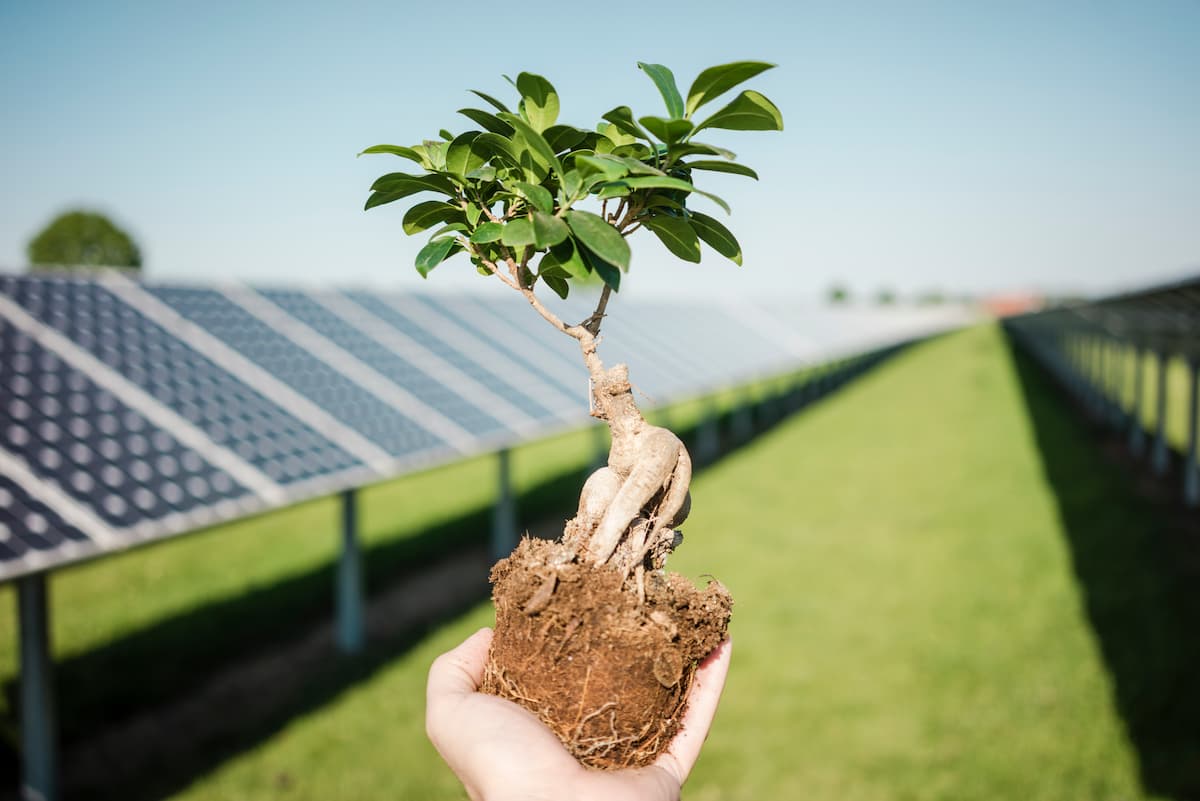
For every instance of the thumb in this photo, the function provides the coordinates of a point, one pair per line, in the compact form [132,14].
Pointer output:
[458,672]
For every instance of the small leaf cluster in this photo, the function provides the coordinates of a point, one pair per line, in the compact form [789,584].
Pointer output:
[510,193]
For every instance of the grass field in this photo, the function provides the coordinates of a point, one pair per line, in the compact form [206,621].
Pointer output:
[942,593]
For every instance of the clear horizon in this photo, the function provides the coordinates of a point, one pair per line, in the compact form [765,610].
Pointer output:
[929,147]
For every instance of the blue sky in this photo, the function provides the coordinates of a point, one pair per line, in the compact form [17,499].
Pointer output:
[960,146]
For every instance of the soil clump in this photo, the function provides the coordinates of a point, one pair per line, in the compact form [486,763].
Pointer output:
[606,664]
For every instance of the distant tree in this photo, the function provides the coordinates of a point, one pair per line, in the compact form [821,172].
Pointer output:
[934,297]
[839,293]
[83,239]
[885,297]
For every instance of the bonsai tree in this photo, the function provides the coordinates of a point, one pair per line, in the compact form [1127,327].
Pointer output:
[83,239]
[591,634]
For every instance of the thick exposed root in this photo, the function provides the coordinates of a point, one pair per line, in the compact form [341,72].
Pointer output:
[629,509]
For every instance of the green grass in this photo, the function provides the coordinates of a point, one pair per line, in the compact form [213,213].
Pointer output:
[928,603]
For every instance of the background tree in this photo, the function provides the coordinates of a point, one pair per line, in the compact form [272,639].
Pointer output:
[885,297]
[839,294]
[83,239]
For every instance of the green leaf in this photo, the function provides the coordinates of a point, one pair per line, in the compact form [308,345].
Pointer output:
[538,196]
[614,189]
[718,80]
[716,236]
[665,82]
[434,254]
[406,184]
[381,198]
[633,165]
[657,201]
[568,257]
[679,237]
[435,151]
[749,111]
[608,273]
[461,157]
[428,214]
[599,237]
[517,233]
[485,174]
[487,232]
[559,285]
[664,182]
[669,131]
[449,137]
[699,149]
[535,140]
[547,230]
[395,150]
[563,137]
[488,121]
[491,101]
[494,146]
[572,185]
[622,117]
[539,100]
[610,168]
[614,135]
[722,166]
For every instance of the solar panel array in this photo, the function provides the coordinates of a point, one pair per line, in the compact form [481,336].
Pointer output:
[131,411]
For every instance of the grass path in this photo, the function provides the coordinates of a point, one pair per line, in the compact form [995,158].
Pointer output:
[908,621]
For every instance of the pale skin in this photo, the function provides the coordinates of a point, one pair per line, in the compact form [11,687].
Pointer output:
[502,752]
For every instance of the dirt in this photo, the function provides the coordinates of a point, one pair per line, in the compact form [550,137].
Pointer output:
[605,665]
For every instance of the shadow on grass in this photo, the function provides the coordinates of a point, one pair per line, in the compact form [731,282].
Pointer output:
[1135,562]
[149,668]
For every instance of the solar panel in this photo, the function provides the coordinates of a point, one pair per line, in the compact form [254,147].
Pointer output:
[230,412]
[132,411]
[81,438]
[432,385]
[522,350]
[533,408]
[351,403]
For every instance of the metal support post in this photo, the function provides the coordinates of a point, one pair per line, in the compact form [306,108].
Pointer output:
[39,747]
[1158,459]
[1137,437]
[349,580]
[1191,469]
[504,513]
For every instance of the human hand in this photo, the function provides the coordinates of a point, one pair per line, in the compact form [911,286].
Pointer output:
[502,752]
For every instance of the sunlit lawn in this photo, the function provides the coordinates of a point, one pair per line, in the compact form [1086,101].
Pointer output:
[908,624]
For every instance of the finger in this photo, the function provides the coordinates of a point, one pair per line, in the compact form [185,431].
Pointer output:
[459,671]
[681,756]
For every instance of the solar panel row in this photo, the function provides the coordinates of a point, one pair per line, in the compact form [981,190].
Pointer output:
[134,411]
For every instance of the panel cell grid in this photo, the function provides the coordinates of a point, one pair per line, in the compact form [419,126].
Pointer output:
[72,432]
[231,413]
[457,313]
[429,340]
[27,524]
[386,361]
[343,399]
